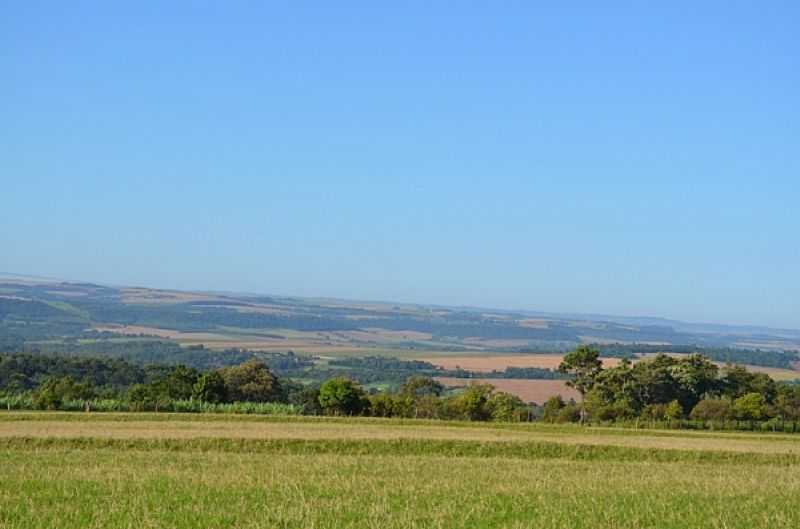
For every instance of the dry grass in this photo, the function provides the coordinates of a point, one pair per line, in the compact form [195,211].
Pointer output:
[145,426]
[85,471]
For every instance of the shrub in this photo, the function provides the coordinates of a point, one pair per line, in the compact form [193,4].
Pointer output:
[507,407]
[342,396]
[552,408]
[717,410]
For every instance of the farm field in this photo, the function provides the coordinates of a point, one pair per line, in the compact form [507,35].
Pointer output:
[529,390]
[540,390]
[159,470]
[487,362]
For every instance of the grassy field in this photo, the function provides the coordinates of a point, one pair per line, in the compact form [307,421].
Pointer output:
[148,470]
[159,470]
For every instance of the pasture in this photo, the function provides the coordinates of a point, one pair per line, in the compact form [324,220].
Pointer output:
[146,470]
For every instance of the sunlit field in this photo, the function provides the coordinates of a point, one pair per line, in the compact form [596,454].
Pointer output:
[143,470]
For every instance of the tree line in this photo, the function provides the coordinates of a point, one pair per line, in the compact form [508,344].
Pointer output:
[63,382]
[757,357]
[667,388]
[659,389]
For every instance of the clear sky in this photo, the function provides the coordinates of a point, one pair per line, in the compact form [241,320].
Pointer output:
[626,158]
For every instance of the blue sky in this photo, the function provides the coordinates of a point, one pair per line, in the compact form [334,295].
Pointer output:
[625,158]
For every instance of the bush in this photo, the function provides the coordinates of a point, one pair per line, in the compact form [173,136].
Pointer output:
[569,413]
[507,407]
[342,396]
[552,407]
[714,410]
[473,403]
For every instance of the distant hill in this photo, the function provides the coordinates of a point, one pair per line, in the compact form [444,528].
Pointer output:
[38,312]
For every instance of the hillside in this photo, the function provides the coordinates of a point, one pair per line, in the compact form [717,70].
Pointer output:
[33,310]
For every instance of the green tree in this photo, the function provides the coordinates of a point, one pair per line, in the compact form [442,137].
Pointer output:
[308,398]
[147,396]
[599,407]
[210,387]
[695,377]
[415,396]
[419,386]
[584,365]
[342,396]
[652,381]
[382,405]
[507,407]
[251,381]
[750,407]
[179,383]
[738,381]
[787,403]
[53,392]
[472,403]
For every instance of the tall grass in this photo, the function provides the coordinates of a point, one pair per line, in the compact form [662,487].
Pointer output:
[452,448]
[385,485]
[24,402]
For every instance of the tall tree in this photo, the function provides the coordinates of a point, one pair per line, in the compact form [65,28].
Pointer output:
[584,365]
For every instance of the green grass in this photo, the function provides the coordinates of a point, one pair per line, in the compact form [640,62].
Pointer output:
[23,402]
[70,309]
[327,483]
[407,447]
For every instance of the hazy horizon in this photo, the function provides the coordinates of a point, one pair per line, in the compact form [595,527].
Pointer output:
[522,309]
[620,160]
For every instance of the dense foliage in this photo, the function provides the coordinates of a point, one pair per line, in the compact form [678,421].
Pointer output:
[657,389]
[665,388]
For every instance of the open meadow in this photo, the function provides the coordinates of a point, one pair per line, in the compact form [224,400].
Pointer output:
[161,470]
